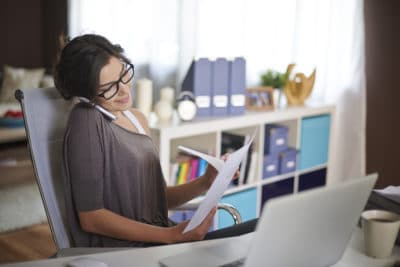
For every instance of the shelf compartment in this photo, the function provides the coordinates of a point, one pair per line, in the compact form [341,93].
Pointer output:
[206,143]
[233,139]
[277,189]
[312,179]
[292,133]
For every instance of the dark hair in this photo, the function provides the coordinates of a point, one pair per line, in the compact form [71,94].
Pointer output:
[80,62]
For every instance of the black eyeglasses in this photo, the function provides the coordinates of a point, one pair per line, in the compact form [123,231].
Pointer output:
[125,78]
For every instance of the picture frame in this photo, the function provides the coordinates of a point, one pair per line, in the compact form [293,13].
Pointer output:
[260,98]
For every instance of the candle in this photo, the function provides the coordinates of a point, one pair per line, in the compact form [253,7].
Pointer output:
[144,94]
[164,107]
[167,94]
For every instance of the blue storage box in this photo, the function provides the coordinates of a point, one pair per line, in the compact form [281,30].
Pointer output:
[270,165]
[276,137]
[288,161]
[314,143]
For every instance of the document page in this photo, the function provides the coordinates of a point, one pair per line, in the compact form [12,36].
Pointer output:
[226,170]
[391,192]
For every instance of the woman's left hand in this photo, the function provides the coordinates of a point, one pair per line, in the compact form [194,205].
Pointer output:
[211,172]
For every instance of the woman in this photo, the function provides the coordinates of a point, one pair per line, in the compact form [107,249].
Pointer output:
[115,191]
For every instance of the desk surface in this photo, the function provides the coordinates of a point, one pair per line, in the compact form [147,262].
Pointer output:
[353,256]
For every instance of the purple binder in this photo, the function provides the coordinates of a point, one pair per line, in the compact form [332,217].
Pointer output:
[219,87]
[198,81]
[237,86]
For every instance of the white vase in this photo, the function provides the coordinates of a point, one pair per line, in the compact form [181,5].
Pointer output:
[144,96]
[279,98]
[168,94]
[164,108]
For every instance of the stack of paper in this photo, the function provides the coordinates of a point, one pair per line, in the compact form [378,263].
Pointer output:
[226,171]
[391,192]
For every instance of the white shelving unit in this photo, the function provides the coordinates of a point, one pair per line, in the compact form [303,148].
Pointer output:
[205,134]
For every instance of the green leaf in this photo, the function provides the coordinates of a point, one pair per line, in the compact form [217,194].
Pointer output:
[274,79]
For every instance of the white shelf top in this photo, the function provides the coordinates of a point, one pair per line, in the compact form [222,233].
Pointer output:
[249,119]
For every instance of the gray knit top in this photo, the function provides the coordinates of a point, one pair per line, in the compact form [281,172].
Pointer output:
[107,166]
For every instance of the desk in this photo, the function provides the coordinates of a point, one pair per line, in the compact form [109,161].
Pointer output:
[352,257]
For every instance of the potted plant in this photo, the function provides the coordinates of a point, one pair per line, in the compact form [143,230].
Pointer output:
[276,80]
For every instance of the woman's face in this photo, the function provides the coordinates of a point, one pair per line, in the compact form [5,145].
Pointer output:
[117,95]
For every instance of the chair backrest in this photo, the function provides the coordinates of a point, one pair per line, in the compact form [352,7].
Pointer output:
[46,114]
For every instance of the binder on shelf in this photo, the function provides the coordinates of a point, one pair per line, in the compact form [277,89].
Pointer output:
[237,86]
[198,81]
[219,87]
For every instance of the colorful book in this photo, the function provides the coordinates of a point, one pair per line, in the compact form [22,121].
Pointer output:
[202,167]
[194,164]
[183,172]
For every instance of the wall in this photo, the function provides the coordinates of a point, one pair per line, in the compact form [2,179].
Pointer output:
[29,39]
[382,23]
[29,31]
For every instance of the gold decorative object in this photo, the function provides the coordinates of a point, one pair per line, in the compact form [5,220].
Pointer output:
[298,89]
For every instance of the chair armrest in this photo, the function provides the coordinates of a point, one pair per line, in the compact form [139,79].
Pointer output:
[237,218]
[233,211]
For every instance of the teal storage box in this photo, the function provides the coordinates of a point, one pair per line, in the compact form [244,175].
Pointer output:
[246,203]
[276,138]
[314,143]
[287,161]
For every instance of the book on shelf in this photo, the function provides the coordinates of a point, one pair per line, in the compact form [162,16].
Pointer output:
[245,170]
[252,175]
[194,166]
[183,172]
[186,168]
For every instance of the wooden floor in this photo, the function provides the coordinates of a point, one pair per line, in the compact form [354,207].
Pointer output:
[26,244]
[31,243]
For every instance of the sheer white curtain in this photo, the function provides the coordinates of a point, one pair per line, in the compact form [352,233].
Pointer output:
[163,36]
[147,30]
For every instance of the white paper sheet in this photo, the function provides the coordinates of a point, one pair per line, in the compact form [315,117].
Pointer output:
[391,192]
[220,184]
[215,162]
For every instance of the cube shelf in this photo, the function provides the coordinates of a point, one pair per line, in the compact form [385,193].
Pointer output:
[309,131]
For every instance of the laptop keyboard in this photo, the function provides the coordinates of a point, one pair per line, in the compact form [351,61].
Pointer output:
[237,263]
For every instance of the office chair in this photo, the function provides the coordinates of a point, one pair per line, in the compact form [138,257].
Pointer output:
[45,114]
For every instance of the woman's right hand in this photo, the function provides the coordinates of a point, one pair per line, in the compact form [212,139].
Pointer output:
[195,234]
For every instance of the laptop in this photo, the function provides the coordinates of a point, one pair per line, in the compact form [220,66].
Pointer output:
[308,229]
